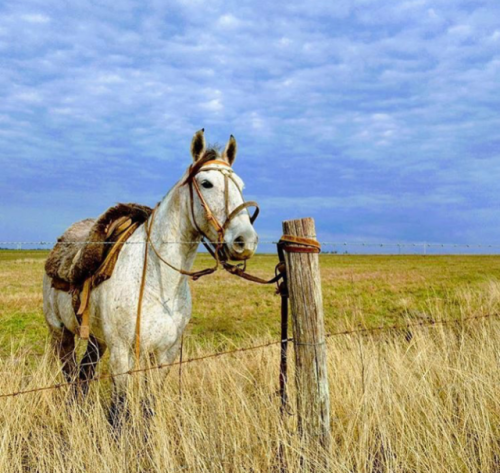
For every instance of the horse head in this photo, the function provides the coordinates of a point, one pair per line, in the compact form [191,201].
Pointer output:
[218,209]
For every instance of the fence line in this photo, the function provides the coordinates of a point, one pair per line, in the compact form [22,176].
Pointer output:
[396,327]
[266,242]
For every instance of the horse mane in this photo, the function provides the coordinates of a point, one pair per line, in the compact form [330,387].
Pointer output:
[213,151]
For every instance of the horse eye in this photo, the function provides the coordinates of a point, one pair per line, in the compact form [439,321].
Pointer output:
[207,184]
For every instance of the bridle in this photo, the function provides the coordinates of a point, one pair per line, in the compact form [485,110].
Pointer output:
[214,248]
[287,242]
[227,172]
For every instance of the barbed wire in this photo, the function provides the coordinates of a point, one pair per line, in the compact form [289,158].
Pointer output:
[139,370]
[428,245]
[396,327]
[425,245]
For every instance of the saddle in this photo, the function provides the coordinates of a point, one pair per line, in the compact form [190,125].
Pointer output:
[86,254]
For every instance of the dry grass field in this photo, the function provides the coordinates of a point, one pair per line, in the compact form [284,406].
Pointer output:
[425,403]
[358,291]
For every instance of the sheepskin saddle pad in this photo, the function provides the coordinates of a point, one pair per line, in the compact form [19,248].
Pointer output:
[83,249]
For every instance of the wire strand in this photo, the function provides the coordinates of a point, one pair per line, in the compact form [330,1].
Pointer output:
[246,349]
[265,242]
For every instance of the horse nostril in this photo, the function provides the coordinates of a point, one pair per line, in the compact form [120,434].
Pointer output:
[239,243]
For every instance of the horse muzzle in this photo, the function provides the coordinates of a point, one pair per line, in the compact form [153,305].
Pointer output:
[242,246]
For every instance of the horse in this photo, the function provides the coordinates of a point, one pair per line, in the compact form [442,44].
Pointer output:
[208,193]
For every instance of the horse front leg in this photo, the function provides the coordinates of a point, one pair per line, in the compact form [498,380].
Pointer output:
[155,378]
[166,360]
[168,357]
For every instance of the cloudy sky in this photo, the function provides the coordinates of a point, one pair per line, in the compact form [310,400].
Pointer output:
[380,119]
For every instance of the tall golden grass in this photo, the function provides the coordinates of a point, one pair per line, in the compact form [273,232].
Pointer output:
[422,403]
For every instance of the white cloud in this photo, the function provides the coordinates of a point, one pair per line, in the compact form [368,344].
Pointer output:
[228,21]
[381,117]
[214,105]
[35,18]
[460,30]
[256,120]
[29,96]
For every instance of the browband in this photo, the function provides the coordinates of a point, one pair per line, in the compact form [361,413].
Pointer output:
[215,161]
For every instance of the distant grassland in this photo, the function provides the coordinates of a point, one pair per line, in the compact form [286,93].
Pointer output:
[357,290]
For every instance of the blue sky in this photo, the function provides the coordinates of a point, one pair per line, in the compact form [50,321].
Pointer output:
[380,119]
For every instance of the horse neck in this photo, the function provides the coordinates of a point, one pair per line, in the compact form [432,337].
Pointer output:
[174,236]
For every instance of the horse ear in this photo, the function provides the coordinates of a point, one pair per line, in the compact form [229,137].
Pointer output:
[229,153]
[198,144]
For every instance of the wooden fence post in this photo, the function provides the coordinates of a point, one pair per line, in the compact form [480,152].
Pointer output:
[306,302]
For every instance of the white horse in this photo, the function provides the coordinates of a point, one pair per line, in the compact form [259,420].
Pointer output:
[180,221]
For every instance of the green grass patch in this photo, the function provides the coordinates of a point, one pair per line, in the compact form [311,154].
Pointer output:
[358,291]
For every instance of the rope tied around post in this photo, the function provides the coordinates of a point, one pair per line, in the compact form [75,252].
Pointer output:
[295,244]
